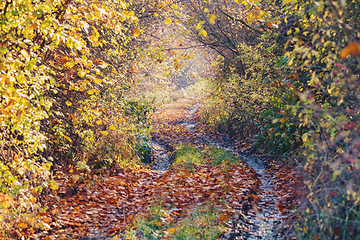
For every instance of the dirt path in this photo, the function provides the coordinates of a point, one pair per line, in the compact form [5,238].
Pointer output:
[243,192]
[267,218]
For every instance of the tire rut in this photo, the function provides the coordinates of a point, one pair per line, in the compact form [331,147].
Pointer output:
[262,225]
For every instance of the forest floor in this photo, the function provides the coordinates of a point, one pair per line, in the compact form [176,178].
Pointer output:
[201,184]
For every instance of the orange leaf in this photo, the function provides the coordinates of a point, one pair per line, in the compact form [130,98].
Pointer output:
[352,47]
[223,217]
[46,219]
[22,225]
[282,120]
[172,230]
[133,70]
[136,32]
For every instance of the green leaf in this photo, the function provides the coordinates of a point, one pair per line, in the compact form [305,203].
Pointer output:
[53,185]
[3,50]
[15,12]
[30,65]
[46,24]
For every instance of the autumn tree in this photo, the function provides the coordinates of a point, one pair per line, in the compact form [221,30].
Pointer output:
[58,62]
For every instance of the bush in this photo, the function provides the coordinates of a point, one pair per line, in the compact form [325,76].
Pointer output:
[321,40]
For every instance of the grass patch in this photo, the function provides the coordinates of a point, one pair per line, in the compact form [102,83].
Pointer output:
[187,156]
[202,222]
[217,155]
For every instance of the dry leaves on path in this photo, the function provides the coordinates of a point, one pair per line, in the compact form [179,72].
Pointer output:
[111,204]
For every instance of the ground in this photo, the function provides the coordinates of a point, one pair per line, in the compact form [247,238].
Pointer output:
[195,173]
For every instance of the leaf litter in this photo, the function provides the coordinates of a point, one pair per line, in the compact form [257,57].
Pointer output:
[106,207]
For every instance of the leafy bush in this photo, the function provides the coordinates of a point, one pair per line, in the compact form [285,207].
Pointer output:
[280,131]
[255,104]
[321,41]
[54,102]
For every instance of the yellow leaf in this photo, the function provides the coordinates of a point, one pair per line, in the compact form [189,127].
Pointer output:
[112,127]
[97,80]
[68,103]
[82,72]
[304,137]
[174,6]
[6,204]
[90,92]
[136,32]
[114,71]
[167,1]
[21,79]
[158,223]
[156,14]
[212,19]
[98,122]
[199,26]
[105,133]
[168,21]
[203,32]
[335,174]
[8,198]
[93,39]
